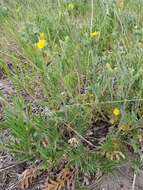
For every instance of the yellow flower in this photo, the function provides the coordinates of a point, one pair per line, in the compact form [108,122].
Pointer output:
[41,43]
[42,35]
[71,6]
[116,112]
[95,34]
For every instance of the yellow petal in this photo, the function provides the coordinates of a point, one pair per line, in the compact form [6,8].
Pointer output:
[116,112]
[41,44]
[94,34]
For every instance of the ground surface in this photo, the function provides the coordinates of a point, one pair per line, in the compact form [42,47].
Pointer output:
[10,169]
[120,179]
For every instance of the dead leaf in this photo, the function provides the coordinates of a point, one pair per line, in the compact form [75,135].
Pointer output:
[64,177]
[27,177]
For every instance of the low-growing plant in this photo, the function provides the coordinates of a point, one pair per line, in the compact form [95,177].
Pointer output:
[81,62]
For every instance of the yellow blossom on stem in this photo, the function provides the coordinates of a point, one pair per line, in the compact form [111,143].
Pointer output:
[116,112]
[41,43]
[95,34]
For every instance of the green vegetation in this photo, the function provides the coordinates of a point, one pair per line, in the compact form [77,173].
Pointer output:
[84,68]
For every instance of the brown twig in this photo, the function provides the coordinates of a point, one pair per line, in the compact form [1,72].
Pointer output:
[11,166]
[88,142]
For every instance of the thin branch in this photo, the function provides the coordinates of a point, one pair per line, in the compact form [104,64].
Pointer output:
[108,102]
[80,136]
[134,181]
[11,166]
[135,176]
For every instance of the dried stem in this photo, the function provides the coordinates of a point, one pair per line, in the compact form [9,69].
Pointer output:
[80,136]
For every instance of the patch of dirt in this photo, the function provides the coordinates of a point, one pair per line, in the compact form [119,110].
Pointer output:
[98,132]
[120,179]
[9,170]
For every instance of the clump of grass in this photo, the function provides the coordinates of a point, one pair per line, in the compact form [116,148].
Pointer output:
[85,66]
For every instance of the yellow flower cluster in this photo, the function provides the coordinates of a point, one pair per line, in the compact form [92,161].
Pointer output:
[42,41]
[94,34]
[115,115]
[116,112]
